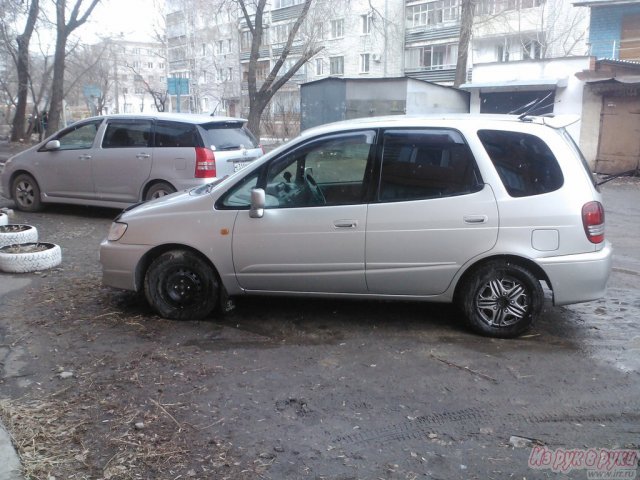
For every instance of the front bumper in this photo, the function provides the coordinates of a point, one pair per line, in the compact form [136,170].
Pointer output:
[578,278]
[120,263]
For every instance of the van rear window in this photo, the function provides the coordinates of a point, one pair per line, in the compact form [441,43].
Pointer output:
[525,163]
[228,136]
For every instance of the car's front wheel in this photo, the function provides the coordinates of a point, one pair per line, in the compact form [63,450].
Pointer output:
[180,285]
[501,299]
[26,193]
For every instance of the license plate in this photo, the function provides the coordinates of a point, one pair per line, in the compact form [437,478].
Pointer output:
[239,165]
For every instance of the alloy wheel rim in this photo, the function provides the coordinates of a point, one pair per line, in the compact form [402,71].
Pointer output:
[502,302]
[25,194]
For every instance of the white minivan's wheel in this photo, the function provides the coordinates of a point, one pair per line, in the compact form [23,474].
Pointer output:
[4,219]
[12,234]
[29,257]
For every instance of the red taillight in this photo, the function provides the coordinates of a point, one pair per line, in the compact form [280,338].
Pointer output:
[593,221]
[205,163]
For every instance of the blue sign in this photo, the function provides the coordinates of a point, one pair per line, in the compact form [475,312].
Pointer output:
[178,86]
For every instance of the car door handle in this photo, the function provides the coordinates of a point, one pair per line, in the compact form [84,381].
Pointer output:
[142,156]
[345,223]
[84,157]
[475,219]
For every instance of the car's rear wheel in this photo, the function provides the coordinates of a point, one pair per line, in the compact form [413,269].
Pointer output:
[180,285]
[158,190]
[501,299]
[26,193]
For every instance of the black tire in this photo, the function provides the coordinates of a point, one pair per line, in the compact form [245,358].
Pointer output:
[501,299]
[158,190]
[180,285]
[26,193]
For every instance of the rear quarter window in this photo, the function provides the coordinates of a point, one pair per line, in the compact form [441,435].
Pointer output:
[176,134]
[525,163]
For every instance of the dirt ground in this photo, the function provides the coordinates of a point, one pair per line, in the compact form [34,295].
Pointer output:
[95,386]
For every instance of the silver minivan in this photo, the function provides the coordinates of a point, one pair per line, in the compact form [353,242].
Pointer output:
[118,160]
[477,210]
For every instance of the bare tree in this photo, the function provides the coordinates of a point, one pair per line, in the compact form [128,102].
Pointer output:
[259,97]
[20,55]
[466,27]
[64,28]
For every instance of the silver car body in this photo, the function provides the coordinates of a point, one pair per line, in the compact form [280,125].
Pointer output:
[393,249]
[99,174]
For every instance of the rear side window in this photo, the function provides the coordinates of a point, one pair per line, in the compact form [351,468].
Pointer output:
[525,163]
[227,136]
[122,134]
[176,134]
[421,164]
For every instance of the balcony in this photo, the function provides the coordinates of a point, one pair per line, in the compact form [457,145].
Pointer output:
[428,32]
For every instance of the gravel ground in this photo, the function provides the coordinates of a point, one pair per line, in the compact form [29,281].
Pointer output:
[94,385]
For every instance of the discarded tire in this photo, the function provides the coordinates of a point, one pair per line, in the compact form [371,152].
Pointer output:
[29,257]
[4,219]
[12,234]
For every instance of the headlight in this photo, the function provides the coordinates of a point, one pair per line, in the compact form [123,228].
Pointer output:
[116,231]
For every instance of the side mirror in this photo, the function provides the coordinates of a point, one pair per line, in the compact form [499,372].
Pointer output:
[52,145]
[257,203]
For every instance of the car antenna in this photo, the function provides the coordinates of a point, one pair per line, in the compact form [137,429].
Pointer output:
[535,106]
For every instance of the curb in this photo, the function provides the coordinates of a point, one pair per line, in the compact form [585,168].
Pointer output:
[10,468]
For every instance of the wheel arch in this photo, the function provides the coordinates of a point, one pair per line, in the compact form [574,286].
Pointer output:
[527,263]
[151,255]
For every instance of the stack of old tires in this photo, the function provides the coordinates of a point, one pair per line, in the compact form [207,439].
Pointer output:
[20,251]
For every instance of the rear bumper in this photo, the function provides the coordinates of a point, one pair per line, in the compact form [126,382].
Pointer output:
[119,264]
[578,278]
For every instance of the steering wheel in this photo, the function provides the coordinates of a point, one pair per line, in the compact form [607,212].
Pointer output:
[315,190]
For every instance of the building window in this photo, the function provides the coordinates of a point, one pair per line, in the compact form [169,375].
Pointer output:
[203,50]
[161,66]
[366,24]
[433,13]
[149,64]
[223,47]
[245,40]
[493,7]
[280,33]
[337,28]
[285,3]
[532,50]
[502,52]
[433,57]
[319,66]
[336,65]
[364,62]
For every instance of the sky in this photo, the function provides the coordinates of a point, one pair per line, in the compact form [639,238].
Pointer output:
[133,18]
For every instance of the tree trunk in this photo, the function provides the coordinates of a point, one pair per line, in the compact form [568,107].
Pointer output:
[22,68]
[57,85]
[255,114]
[466,26]
[17,130]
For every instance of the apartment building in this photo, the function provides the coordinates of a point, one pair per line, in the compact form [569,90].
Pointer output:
[131,74]
[357,39]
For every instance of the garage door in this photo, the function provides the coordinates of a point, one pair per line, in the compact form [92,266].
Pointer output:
[619,146]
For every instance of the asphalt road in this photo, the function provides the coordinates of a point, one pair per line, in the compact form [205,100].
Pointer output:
[290,388]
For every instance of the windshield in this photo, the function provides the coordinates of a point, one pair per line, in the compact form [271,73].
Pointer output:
[228,136]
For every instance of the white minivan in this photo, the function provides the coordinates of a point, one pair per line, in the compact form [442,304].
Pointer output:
[479,210]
